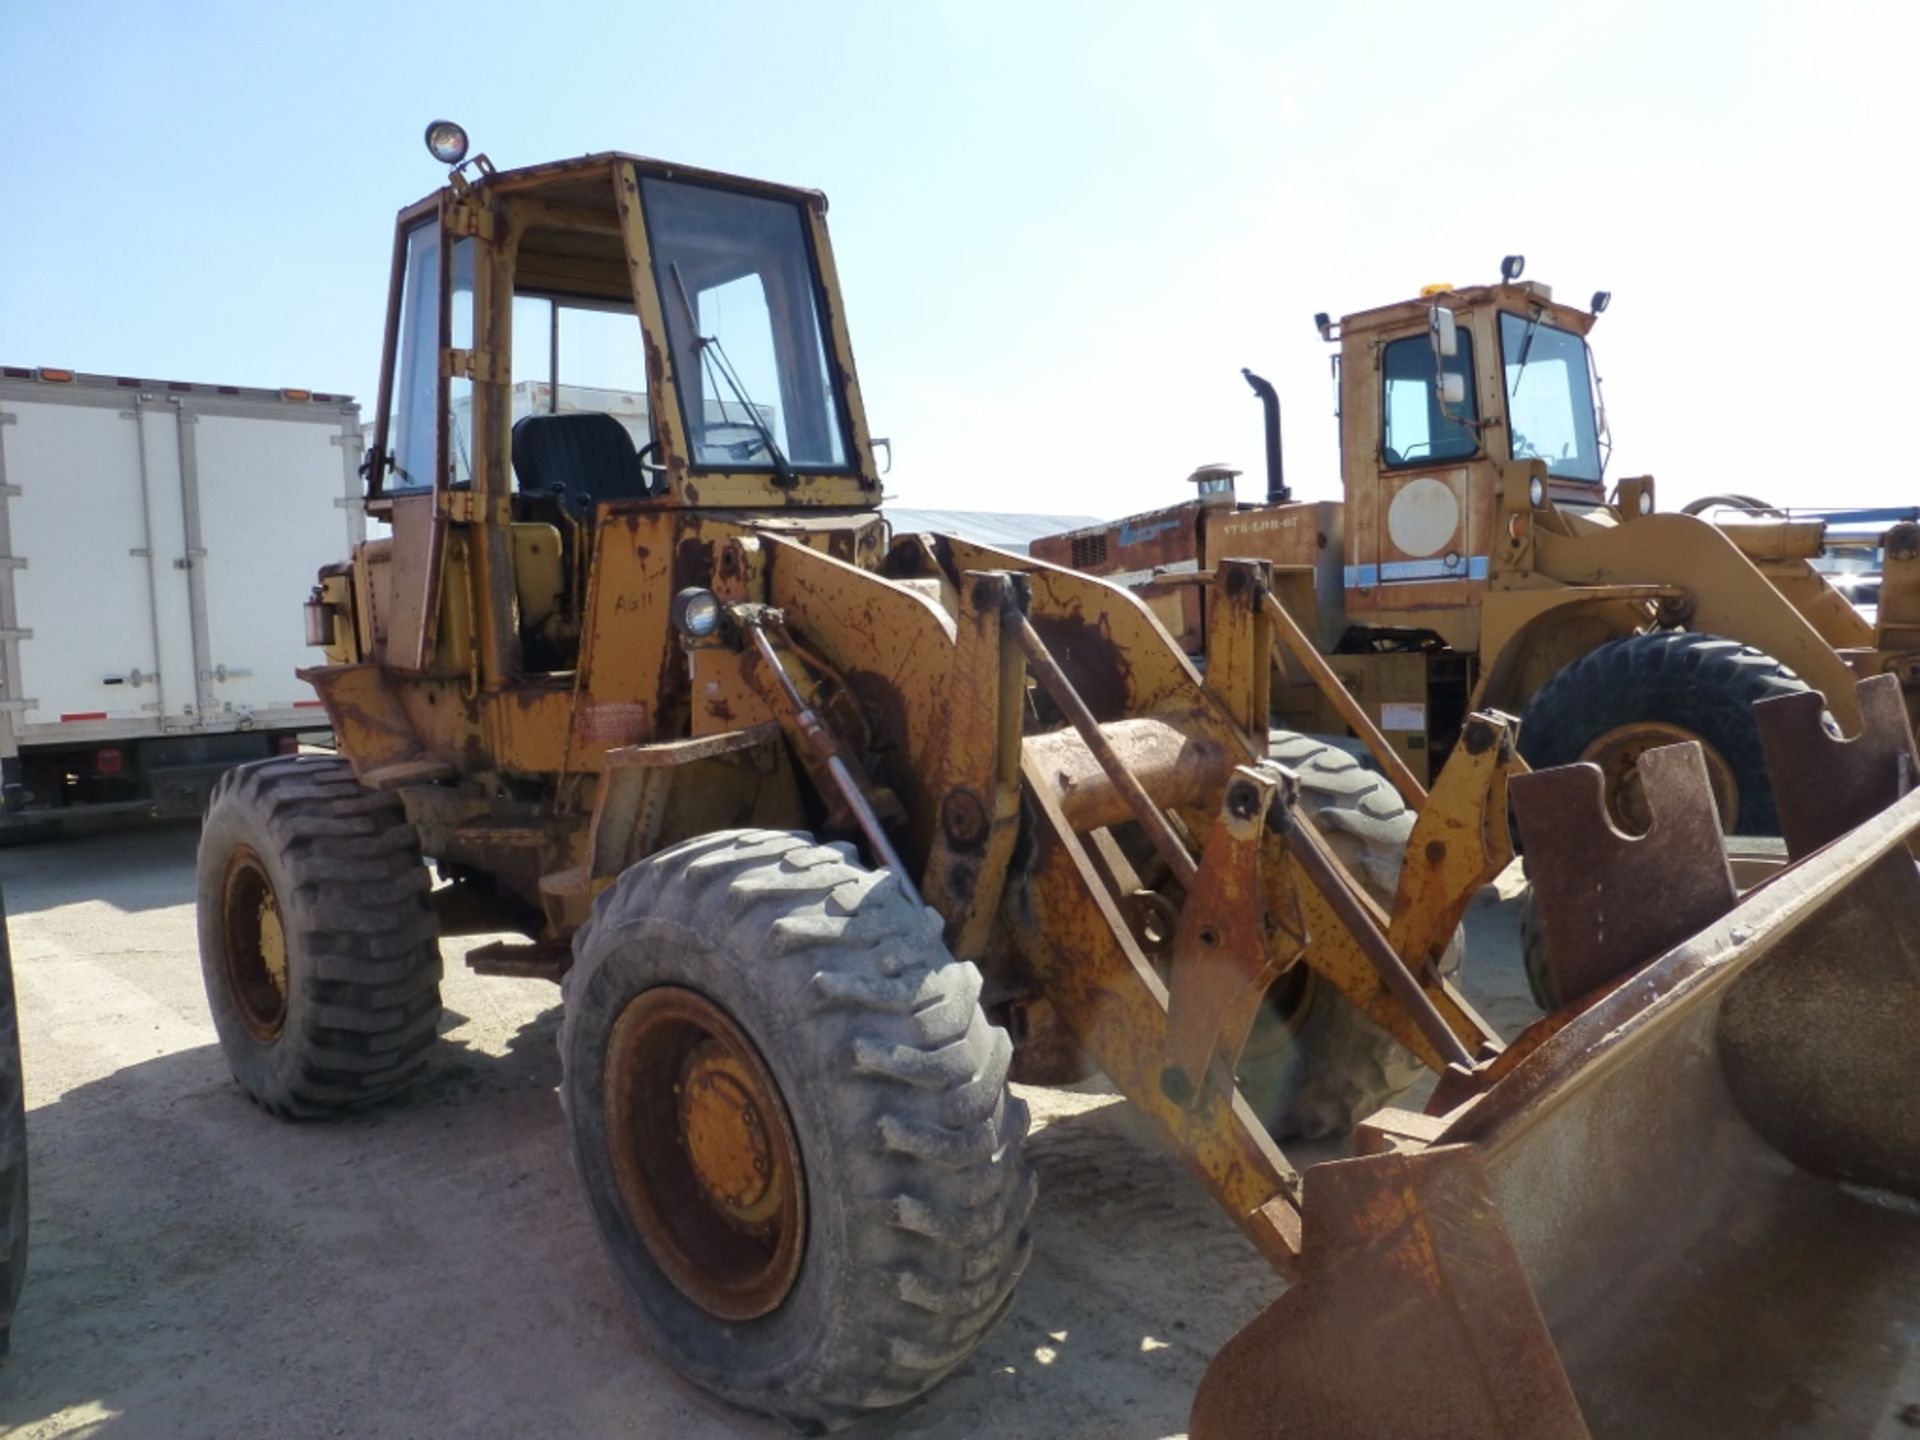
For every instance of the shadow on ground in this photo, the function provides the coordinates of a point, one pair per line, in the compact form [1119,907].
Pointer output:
[427,1267]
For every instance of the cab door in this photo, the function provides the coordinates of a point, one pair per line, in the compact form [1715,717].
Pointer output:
[1421,526]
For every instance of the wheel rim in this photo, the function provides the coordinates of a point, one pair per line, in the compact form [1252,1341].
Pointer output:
[256,946]
[704,1153]
[1618,753]
[1289,997]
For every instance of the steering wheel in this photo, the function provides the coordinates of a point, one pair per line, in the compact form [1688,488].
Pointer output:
[651,467]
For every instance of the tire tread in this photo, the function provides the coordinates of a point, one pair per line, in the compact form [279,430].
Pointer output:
[358,915]
[915,1080]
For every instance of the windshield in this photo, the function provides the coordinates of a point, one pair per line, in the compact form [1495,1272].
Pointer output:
[737,282]
[1549,397]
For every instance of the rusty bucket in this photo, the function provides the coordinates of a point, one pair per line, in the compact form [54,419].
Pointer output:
[1687,1207]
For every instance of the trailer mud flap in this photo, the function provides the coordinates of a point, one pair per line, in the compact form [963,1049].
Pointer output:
[1689,1209]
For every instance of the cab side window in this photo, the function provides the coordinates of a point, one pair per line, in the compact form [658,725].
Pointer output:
[413,431]
[1415,431]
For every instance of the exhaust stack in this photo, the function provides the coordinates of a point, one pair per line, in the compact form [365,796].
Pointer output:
[1277,491]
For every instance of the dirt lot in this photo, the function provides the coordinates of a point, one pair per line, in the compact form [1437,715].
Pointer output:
[428,1269]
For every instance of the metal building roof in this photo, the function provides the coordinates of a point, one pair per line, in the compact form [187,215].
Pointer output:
[1005,531]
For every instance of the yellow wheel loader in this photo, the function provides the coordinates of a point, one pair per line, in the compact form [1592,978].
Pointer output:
[828,834]
[1477,560]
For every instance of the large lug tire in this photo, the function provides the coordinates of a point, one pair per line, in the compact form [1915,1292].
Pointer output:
[13,1146]
[791,1121]
[1314,1065]
[1533,957]
[318,942]
[1663,688]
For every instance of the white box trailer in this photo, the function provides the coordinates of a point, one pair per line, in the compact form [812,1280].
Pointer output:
[157,543]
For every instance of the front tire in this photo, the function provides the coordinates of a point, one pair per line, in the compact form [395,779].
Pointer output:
[1663,688]
[1315,1065]
[791,1121]
[318,943]
[1533,957]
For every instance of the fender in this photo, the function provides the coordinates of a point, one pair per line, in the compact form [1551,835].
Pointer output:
[1726,593]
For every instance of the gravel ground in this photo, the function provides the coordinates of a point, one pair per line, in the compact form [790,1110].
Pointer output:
[428,1268]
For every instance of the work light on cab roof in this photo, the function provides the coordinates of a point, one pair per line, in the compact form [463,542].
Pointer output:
[446,142]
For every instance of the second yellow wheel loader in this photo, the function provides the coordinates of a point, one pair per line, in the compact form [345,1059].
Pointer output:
[1476,559]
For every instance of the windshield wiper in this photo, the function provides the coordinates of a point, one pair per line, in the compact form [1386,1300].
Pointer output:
[1526,348]
[713,359]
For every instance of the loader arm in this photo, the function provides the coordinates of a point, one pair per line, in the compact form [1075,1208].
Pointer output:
[1018,828]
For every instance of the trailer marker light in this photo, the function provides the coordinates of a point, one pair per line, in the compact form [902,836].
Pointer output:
[59,377]
[109,761]
[83,715]
[296,394]
[128,382]
[308,704]
[14,372]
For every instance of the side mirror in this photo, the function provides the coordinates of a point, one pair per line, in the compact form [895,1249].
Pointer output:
[879,443]
[1444,331]
[1452,390]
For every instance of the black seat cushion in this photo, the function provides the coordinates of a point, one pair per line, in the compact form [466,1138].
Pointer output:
[584,459]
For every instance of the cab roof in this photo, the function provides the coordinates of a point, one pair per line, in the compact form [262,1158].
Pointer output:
[1519,295]
[582,180]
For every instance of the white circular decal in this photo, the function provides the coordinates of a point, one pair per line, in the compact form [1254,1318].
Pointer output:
[1423,517]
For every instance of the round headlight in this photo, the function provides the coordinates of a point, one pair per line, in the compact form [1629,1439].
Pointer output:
[446,142]
[1646,502]
[696,613]
[1536,492]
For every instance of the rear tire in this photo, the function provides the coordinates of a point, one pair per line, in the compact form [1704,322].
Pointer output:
[1315,1065]
[1698,686]
[13,1146]
[877,1067]
[318,943]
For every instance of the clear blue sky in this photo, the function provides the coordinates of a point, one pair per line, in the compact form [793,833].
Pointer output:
[1061,228]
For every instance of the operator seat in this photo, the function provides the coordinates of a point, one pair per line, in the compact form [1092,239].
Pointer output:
[580,459]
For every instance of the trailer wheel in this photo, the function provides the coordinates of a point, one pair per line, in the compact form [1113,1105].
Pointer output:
[791,1121]
[1315,1065]
[13,1146]
[318,944]
[1664,688]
